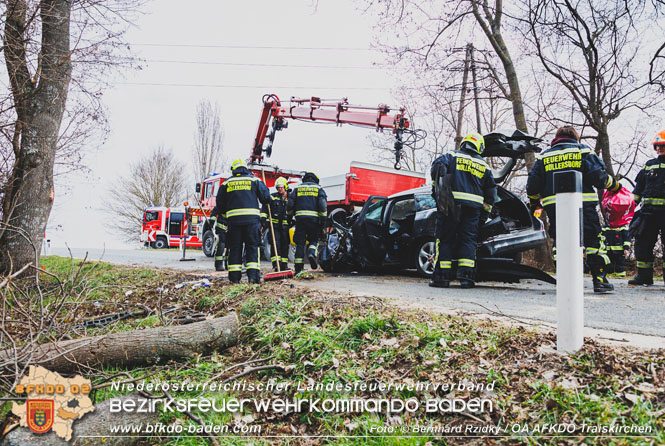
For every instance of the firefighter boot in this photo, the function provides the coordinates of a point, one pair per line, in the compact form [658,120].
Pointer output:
[311,256]
[644,277]
[439,279]
[298,268]
[600,282]
[253,276]
[283,266]
[466,283]
[219,264]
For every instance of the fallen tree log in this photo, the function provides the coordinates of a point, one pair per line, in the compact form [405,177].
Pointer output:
[136,348]
[93,428]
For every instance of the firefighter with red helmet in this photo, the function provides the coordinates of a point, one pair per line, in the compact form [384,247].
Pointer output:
[238,201]
[308,203]
[650,219]
[467,180]
[566,153]
[280,224]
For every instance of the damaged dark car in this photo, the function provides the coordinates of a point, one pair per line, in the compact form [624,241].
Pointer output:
[398,231]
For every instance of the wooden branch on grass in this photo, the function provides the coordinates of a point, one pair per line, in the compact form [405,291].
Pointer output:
[135,348]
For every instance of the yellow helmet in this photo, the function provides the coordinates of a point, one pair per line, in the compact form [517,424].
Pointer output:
[476,140]
[281,182]
[237,163]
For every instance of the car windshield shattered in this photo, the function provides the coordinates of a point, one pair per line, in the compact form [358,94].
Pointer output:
[398,231]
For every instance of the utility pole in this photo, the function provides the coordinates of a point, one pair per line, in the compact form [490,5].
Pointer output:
[460,112]
[475,86]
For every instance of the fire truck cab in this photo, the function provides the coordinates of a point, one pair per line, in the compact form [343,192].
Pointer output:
[208,189]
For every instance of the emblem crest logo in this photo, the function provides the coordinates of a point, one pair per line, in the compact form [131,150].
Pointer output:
[40,415]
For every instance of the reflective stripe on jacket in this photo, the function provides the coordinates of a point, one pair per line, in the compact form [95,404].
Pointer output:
[238,197]
[308,200]
[473,183]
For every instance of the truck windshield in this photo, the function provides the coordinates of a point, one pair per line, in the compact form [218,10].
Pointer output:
[151,216]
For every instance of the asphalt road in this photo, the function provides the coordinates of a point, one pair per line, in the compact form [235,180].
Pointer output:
[629,309]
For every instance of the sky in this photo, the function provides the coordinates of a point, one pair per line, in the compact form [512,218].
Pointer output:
[231,53]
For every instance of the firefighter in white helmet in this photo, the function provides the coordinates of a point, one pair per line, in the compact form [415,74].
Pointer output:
[280,224]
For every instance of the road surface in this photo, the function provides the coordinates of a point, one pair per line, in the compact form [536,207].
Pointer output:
[628,309]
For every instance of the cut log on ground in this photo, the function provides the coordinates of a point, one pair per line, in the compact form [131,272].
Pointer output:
[93,428]
[136,348]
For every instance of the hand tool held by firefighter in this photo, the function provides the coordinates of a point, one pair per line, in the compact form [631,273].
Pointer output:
[279,274]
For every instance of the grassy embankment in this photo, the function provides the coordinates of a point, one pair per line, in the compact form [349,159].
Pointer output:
[317,337]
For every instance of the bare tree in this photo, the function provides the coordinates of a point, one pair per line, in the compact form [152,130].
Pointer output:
[208,140]
[42,64]
[594,53]
[155,180]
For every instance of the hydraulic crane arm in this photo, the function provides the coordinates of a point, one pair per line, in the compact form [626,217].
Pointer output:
[317,110]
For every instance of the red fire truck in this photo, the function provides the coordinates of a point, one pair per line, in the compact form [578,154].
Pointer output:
[362,180]
[166,227]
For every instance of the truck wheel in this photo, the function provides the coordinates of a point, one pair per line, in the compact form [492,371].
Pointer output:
[209,243]
[161,243]
[424,257]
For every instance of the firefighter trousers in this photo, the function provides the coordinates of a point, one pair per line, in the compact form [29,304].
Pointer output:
[645,243]
[592,238]
[457,240]
[282,241]
[220,256]
[307,232]
[247,236]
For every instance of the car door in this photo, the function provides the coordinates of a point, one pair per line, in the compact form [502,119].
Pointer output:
[369,230]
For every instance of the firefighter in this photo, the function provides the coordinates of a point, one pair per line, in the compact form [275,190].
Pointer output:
[566,153]
[617,244]
[238,200]
[650,192]
[307,202]
[280,224]
[218,222]
[471,190]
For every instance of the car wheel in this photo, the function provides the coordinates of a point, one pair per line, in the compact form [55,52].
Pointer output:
[209,243]
[161,243]
[424,257]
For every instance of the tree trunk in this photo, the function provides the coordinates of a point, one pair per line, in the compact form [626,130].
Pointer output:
[40,104]
[136,348]
[603,148]
[95,425]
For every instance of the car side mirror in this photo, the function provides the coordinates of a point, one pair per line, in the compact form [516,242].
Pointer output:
[198,188]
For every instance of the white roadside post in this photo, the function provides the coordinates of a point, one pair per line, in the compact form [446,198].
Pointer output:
[569,266]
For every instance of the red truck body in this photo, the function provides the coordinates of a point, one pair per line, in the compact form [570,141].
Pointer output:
[352,189]
[166,227]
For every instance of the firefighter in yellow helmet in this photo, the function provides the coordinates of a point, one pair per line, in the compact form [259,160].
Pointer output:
[650,218]
[238,200]
[280,224]
[464,188]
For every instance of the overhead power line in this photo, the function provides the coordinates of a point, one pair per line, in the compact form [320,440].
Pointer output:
[261,87]
[195,62]
[253,47]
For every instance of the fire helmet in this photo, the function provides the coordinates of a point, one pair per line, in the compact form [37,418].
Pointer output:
[237,163]
[476,141]
[281,182]
[660,138]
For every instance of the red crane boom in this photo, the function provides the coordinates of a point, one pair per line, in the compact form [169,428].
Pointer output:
[316,109]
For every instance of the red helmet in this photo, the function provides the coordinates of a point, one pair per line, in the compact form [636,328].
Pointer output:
[660,138]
